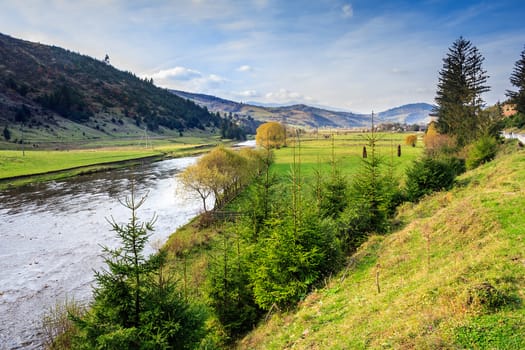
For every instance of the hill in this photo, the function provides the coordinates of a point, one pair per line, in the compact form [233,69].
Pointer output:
[308,116]
[451,277]
[415,113]
[56,93]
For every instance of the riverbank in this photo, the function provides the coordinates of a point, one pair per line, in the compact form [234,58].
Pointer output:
[52,234]
[18,168]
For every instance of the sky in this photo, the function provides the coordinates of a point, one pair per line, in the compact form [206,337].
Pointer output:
[357,55]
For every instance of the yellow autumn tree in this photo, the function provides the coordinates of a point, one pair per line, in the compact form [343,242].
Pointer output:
[411,140]
[436,142]
[222,173]
[271,135]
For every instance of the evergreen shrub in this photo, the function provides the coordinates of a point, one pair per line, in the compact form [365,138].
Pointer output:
[481,151]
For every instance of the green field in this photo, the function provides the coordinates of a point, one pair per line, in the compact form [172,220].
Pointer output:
[13,163]
[316,153]
[73,159]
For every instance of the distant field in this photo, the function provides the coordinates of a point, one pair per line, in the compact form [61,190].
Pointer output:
[15,163]
[316,153]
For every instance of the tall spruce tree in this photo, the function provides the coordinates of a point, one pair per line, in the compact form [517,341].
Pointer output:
[462,80]
[518,80]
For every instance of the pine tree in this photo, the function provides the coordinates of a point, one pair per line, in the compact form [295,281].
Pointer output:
[462,80]
[518,80]
[135,306]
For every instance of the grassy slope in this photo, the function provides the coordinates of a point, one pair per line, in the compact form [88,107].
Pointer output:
[452,242]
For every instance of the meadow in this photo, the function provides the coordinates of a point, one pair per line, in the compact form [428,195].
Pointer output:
[70,159]
[315,153]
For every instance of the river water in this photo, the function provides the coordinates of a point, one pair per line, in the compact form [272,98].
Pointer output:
[51,236]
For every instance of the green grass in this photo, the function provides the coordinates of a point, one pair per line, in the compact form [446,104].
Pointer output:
[316,153]
[14,163]
[44,165]
[429,273]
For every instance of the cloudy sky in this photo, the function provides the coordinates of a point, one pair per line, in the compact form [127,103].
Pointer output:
[357,55]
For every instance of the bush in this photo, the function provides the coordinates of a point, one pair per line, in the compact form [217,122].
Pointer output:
[429,175]
[482,151]
[290,260]
[7,134]
[58,330]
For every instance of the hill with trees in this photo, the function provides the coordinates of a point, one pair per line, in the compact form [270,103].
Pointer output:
[50,90]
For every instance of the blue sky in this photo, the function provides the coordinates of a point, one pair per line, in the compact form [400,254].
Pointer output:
[359,55]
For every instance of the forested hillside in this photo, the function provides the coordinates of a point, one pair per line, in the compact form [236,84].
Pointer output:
[50,89]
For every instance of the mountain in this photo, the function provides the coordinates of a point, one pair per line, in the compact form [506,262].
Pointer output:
[49,89]
[308,116]
[415,113]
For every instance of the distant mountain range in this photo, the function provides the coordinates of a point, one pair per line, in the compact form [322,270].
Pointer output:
[306,116]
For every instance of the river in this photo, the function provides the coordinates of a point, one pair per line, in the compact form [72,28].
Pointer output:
[51,236]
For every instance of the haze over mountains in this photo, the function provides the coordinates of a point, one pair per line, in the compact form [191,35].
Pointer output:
[308,116]
[56,93]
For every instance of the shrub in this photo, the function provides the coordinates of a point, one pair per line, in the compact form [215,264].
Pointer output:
[58,330]
[290,260]
[7,134]
[429,175]
[334,197]
[230,291]
[436,143]
[482,151]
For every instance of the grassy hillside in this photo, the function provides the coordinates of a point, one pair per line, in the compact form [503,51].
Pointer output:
[452,276]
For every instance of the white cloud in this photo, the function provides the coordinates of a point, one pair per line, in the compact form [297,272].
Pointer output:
[348,11]
[177,73]
[284,95]
[187,79]
[245,68]
[214,79]
[249,93]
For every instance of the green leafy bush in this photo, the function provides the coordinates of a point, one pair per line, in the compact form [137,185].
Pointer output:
[428,175]
[482,151]
[230,291]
